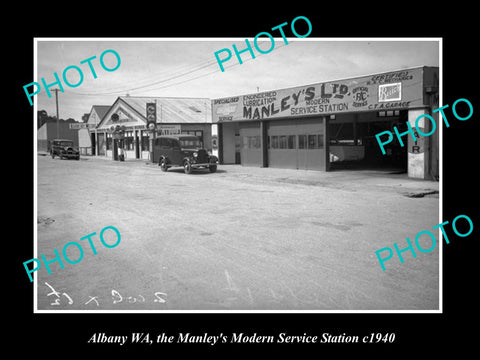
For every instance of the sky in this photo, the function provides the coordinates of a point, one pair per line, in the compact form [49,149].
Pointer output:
[183,67]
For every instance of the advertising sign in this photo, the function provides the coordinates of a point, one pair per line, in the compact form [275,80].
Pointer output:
[151,115]
[169,129]
[78,126]
[393,90]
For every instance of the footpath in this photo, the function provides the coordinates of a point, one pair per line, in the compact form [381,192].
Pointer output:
[356,180]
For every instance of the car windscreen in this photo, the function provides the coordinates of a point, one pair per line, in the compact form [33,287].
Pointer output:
[66,143]
[190,143]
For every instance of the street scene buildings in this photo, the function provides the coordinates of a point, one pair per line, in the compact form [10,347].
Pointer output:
[301,199]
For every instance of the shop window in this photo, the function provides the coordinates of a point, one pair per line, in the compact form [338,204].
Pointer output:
[109,142]
[388,113]
[282,142]
[128,141]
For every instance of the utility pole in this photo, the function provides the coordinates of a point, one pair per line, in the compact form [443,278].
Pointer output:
[58,119]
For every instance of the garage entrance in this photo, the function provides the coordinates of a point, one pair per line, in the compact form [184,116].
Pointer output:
[251,145]
[352,142]
[332,125]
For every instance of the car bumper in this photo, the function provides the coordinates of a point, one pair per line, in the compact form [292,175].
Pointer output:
[200,165]
[73,156]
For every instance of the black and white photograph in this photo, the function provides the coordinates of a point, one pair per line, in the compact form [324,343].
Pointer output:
[169,180]
[219,179]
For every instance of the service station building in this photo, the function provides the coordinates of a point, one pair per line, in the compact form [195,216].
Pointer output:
[325,126]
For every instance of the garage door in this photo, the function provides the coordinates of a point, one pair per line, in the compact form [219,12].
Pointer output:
[251,145]
[296,144]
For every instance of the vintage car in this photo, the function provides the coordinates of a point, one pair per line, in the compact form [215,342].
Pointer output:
[64,149]
[182,150]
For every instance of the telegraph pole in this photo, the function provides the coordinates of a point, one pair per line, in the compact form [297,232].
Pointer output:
[58,119]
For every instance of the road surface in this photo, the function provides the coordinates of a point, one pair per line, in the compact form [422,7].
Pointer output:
[239,239]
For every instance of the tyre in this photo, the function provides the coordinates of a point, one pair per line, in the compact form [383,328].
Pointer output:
[212,168]
[187,167]
[163,165]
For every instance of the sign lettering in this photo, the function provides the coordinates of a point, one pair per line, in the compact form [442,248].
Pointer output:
[368,93]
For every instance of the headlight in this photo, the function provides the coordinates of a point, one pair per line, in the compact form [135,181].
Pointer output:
[195,154]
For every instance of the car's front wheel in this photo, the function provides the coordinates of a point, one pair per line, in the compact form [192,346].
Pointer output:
[163,165]
[187,167]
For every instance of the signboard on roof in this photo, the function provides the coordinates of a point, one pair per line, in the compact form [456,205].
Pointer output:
[394,90]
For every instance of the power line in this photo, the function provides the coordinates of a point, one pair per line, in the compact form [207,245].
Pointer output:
[210,73]
[193,70]
[177,73]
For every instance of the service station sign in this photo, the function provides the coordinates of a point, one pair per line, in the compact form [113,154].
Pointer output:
[393,90]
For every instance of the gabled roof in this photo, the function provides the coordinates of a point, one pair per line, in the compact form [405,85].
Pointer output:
[173,109]
[96,114]
[101,110]
[170,110]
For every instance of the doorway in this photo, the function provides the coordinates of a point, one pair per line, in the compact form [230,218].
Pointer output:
[353,145]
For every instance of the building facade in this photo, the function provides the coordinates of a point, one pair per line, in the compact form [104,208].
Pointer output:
[172,116]
[87,139]
[51,130]
[324,126]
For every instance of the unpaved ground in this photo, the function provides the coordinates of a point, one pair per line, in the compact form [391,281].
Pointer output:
[242,238]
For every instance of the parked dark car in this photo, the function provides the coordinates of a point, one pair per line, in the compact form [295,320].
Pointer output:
[182,151]
[64,149]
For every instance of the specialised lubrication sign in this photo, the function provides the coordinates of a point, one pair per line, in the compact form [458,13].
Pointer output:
[388,91]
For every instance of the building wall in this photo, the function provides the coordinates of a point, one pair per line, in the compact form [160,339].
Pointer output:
[431,94]
[205,128]
[48,132]
[84,142]
[228,143]
[355,103]
[418,160]
[42,142]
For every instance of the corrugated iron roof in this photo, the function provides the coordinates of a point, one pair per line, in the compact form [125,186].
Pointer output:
[101,110]
[173,109]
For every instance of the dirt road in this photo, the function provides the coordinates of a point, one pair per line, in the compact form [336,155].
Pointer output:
[242,238]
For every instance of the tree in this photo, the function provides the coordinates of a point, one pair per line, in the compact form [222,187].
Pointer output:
[42,118]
